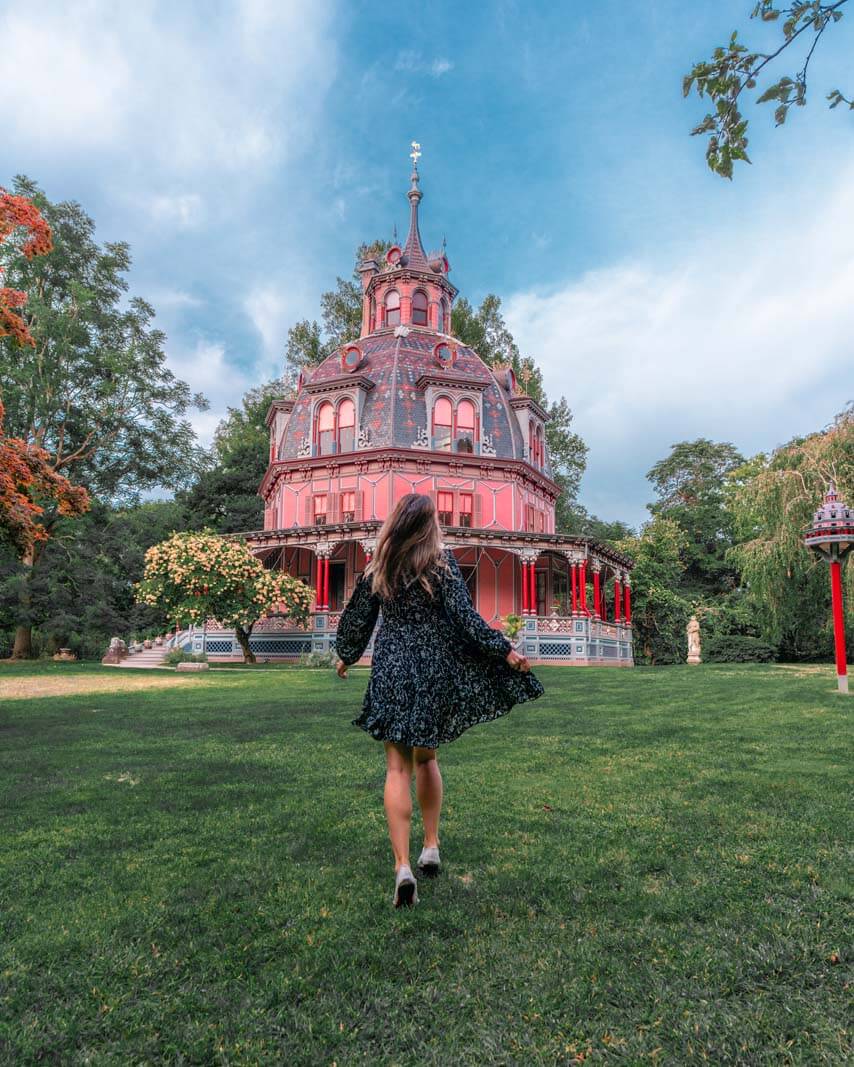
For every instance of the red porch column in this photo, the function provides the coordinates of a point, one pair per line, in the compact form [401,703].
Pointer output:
[574,579]
[318,585]
[597,593]
[524,587]
[326,582]
[582,577]
[532,594]
[627,592]
[618,599]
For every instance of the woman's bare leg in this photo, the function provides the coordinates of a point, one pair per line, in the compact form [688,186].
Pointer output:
[398,799]
[428,786]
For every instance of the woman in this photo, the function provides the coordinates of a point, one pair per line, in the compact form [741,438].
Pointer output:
[438,668]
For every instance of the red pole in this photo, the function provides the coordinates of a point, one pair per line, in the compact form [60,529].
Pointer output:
[838,624]
[532,596]
[574,575]
[524,587]
[627,590]
[597,596]
[583,583]
[318,585]
[326,582]
[618,596]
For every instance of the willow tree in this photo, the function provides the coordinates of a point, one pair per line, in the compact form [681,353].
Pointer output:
[772,499]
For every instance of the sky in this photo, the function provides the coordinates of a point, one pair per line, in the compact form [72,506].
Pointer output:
[244,149]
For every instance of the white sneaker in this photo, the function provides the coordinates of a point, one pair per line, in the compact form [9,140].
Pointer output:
[405,888]
[428,862]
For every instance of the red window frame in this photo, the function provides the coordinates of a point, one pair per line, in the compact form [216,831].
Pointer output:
[445,446]
[529,518]
[320,516]
[445,507]
[422,313]
[466,509]
[348,506]
[347,426]
[391,315]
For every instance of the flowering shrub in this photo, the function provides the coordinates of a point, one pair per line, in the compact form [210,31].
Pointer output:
[198,576]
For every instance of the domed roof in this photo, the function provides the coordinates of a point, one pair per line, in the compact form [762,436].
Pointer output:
[396,368]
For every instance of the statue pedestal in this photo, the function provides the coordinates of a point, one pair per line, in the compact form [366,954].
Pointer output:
[693,658]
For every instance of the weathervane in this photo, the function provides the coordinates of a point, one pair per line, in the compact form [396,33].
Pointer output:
[525,375]
[415,154]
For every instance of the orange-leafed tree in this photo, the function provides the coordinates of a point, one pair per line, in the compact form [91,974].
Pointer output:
[28,483]
[24,230]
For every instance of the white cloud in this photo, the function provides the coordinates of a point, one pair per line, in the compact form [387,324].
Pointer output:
[412,62]
[208,368]
[182,211]
[205,88]
[273,307]
[747,339]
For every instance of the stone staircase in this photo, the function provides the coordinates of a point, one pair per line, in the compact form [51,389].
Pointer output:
[148,657]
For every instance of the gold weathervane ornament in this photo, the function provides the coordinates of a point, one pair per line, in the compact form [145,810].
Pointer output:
[415,154]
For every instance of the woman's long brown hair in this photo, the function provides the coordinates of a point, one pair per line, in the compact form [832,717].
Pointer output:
[409,547]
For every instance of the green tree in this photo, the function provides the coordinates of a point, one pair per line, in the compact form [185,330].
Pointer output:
[734,68]
[81,594]
[224,496]
[772,499]
[659,611]
[690,486]
[198,576]
[341,310]
[95,391]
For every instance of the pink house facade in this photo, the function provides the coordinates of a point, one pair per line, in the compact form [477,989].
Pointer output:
[406,407]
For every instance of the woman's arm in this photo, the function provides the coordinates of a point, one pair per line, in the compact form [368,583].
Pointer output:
[357,622]
[463,615]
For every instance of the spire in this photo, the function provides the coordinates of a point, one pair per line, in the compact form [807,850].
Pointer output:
[413,251]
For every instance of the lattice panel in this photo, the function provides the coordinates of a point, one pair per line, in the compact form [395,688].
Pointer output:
[281,647]
[555,649]
[219,647]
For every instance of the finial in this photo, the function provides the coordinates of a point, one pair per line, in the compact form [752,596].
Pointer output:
[525,375]
[444,245]
[394,238]
[415,154]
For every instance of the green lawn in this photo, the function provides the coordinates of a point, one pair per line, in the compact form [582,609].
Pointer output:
[642,865]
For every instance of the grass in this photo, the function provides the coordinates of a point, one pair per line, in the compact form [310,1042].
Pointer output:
[641,866]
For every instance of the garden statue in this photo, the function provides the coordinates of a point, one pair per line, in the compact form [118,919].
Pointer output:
[116,652]
[693,632]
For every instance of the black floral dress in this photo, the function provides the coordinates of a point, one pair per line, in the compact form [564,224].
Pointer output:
[438,667]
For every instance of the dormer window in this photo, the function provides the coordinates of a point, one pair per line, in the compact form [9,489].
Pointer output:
[444,325]
[443,424]
[392,308]
[465,427]
[419,308]
[346,425]
[325,429]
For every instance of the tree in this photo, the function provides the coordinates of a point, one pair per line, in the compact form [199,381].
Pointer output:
[29,485]
[197,576]
[225,495]
[734,68]
[23,232]
[690,484]
[341,310]
[772,499]
[659,611]
[94,391]
[81,594]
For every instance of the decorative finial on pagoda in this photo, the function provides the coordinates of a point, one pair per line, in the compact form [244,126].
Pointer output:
[414,193]
[525,375]
[415,154]
[413,251]
[394,234]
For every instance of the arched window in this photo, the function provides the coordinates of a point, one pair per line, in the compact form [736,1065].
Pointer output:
[419,308]
[392,308]
[372,324]
[346,425]
[325,431]
[443,422]
[536,446]
[444,325]
[465,430]
[541,448]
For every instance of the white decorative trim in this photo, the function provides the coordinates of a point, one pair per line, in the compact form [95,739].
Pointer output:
[401,331]
[422,439]
[487,448]
[364,438]
[304,448]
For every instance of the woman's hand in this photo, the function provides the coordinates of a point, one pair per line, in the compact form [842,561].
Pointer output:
[517,662]
[341,668]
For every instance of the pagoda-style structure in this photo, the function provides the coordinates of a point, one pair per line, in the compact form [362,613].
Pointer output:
[406,407]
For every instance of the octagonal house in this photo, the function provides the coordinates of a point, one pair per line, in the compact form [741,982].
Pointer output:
[406,407]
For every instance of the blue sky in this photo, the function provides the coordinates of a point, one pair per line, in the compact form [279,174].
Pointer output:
[244,149]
